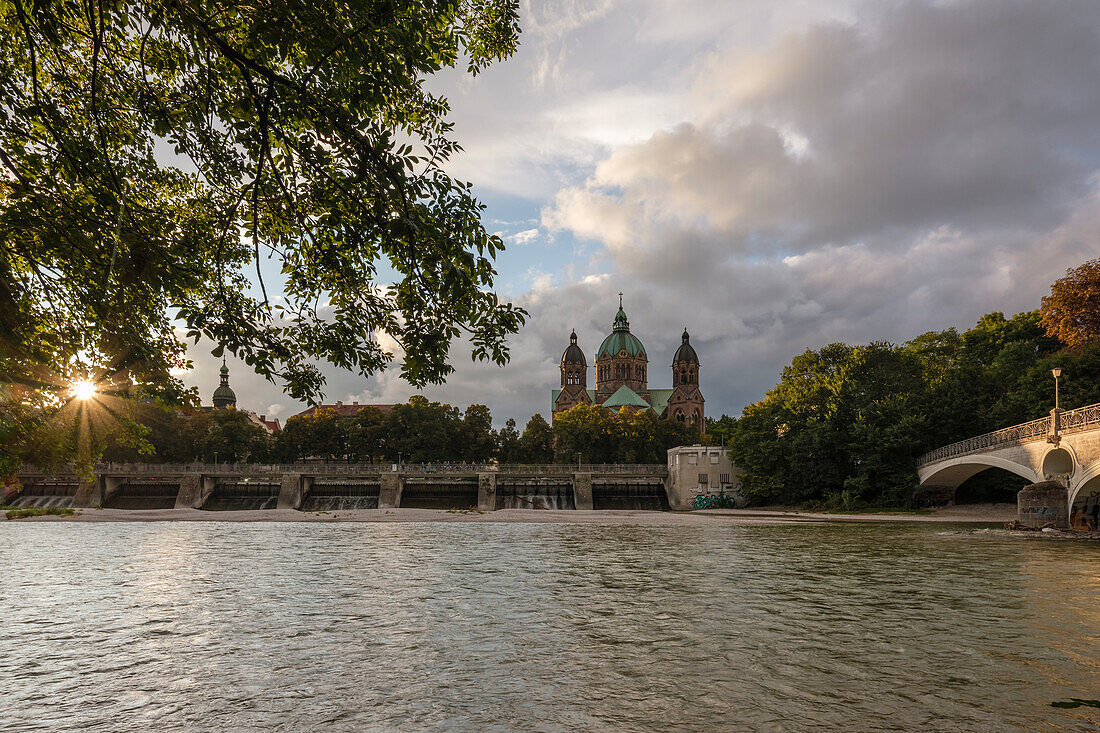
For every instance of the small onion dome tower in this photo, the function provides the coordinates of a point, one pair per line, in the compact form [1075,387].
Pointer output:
[223,395]
[686,403]
[685,365]
[574,368]
[574,378]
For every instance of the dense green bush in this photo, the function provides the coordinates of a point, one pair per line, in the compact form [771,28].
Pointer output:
[845,425]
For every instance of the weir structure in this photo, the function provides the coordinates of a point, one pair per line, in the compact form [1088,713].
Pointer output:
[336,486]
[1059,455]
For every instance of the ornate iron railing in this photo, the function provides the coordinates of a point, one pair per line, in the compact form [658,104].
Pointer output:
[1069,421]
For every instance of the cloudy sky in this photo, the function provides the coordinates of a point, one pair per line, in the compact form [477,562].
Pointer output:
[773,175]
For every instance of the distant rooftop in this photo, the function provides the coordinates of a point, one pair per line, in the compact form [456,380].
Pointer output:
[345,409]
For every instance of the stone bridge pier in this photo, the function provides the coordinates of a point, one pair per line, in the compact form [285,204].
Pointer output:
[1062,465]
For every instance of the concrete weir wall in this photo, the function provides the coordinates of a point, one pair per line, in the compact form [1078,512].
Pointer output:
[290,492]
[389,497]
[227,486]
[582,490]
[190,495]
[89,493]
[486,492]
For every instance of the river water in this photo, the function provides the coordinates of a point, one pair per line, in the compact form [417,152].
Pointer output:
[483,627]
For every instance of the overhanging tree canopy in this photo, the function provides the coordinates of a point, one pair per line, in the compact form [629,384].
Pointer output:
[155,153]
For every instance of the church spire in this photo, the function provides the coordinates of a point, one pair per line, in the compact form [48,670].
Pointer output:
[224,395]
[621,323]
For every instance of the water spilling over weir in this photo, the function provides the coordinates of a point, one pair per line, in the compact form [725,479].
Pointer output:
[143,495]
[47,493]
[334,496]
[243,495]
[624,494]
[535,494]
[440,493]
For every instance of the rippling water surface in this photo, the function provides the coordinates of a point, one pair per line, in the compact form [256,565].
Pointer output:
[212,626]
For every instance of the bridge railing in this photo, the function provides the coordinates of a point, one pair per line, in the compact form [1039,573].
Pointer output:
[1069,421]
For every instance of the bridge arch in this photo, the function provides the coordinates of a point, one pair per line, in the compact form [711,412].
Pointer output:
[1089,474]
[951,473]
[1084,499]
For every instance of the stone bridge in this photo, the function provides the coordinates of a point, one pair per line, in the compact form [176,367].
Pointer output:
[334,486]
[1064,448]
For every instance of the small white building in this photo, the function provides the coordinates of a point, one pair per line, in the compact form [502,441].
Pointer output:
[701,469]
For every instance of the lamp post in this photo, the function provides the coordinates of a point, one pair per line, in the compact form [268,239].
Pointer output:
[215,459]
[1057,372]
[1056,412]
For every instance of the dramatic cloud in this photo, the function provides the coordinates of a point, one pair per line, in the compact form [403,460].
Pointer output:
[866,180]
[774,177]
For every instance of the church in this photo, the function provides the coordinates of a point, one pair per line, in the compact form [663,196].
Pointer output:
[621,366]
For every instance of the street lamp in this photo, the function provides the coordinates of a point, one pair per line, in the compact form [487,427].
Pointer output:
[1057,372]
[1055,414]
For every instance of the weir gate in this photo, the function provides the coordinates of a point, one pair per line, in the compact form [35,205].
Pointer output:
[329,487]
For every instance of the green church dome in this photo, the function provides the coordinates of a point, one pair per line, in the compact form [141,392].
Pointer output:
[225,392]
[621,339]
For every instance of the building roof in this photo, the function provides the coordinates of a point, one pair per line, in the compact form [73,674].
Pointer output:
[224,395]
[685,352]
[344,410]
[573,353]
[658,399]
[621,339]
[625,397]
[554,398]
[268,426]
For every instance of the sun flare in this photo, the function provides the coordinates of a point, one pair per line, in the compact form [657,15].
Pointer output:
[82,389]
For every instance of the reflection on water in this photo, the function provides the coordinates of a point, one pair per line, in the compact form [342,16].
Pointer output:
[214,626]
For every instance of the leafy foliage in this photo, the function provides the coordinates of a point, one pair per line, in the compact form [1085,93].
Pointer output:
[1071,312]
[536,445]
[593,434]
[155,155]
[846,424]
